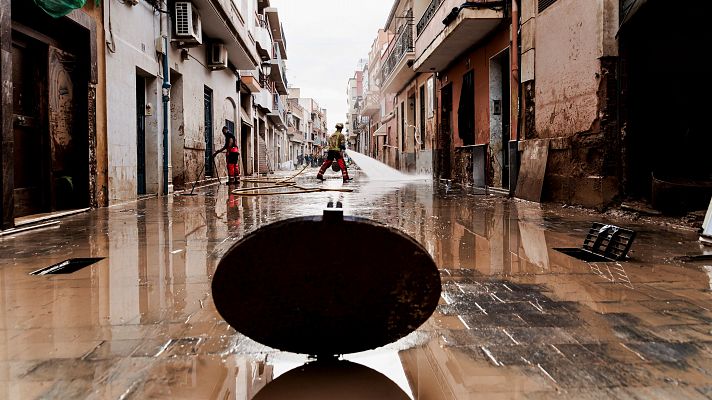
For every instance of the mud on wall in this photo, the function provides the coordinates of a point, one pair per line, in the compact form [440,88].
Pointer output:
[573,101]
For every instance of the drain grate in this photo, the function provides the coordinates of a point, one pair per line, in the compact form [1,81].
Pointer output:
[67,266]
[603,243]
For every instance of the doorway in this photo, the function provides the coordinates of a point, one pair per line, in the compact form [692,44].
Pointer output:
[245,149]
[421,129]
[664,112]
[412,147]
[445,133]
[140,135]
[208,115]
[499,88]
[31,174]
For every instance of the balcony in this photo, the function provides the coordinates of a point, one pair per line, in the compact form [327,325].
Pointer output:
[221,20]
[295,135]
[278,73]
[278,114]
[263,40]
[372,104]
[448,28]
[264,100]
[396,71]
[250,79]
[277,31]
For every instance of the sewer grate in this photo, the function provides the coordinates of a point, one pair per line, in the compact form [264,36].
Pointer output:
[67,266]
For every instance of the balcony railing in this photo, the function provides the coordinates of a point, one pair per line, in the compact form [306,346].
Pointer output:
[403,44]
[427,16]
[278,106]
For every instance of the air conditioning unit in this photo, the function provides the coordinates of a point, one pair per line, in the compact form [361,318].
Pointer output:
[187,27]
[217,56]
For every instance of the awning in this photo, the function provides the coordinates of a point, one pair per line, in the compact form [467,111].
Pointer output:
[381,131]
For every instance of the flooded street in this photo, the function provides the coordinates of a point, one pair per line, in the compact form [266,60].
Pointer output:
[516,320]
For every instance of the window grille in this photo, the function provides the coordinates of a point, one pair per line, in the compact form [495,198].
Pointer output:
[544,4]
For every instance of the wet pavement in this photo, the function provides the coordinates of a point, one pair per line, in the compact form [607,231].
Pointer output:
[516,320]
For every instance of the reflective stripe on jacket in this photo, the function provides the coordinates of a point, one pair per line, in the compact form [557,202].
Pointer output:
[336,140]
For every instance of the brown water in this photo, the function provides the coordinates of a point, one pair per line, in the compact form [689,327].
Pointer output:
[516,320]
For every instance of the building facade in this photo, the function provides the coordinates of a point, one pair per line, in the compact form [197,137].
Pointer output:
[307,126]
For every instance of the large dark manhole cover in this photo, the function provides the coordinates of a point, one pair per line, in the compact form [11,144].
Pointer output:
[326,287]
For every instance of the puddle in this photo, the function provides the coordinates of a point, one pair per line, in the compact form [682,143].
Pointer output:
[144,326]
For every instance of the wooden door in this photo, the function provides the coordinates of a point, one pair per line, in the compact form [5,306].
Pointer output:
[64,168]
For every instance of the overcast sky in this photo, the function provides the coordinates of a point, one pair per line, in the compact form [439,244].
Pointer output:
[325,40]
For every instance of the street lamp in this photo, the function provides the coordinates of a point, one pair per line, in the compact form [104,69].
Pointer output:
[267,67]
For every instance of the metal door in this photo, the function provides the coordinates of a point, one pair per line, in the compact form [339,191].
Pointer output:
[141,134]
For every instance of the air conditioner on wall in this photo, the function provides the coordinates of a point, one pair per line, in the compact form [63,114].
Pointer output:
[187,28]
[217,56]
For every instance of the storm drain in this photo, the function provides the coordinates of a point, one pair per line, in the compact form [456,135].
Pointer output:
[67,266]
[603,243]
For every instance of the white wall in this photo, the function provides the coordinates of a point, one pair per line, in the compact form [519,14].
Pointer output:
[134,49]
[135,52]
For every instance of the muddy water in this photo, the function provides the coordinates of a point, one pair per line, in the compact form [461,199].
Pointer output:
[516,320]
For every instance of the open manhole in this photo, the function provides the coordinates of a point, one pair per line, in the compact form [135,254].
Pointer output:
[67,266]
[603,243]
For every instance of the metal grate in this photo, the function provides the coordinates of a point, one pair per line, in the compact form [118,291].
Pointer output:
[544,4]
[603,243]
[67,266]
[182,19]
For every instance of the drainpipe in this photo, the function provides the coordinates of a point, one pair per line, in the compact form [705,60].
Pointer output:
[514,129]
[166,91]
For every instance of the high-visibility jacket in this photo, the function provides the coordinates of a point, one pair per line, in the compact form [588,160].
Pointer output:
[337,141]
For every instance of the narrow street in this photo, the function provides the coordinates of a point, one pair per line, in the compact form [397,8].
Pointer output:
[516,320]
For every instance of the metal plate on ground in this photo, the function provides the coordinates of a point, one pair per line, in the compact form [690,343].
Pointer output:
[331,287]
[532,170]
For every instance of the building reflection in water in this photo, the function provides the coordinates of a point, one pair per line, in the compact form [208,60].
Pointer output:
[141,323]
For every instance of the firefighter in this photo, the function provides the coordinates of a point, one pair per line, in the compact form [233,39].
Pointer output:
[337,145]
[232,156]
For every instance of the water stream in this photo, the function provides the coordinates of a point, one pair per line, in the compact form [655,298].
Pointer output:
[378,171]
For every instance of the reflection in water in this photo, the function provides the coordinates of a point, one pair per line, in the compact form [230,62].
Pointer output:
[141,323]
[334,379]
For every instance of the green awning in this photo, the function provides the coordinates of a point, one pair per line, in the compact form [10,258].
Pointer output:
[60,8]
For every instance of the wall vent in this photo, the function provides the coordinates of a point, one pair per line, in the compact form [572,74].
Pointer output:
[544,4]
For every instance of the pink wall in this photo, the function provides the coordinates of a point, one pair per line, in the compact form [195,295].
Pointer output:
[479,61]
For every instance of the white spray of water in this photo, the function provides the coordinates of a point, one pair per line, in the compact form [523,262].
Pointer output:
[378,171]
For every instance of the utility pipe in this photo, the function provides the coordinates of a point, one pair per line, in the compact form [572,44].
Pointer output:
[514,128]
[166,91]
